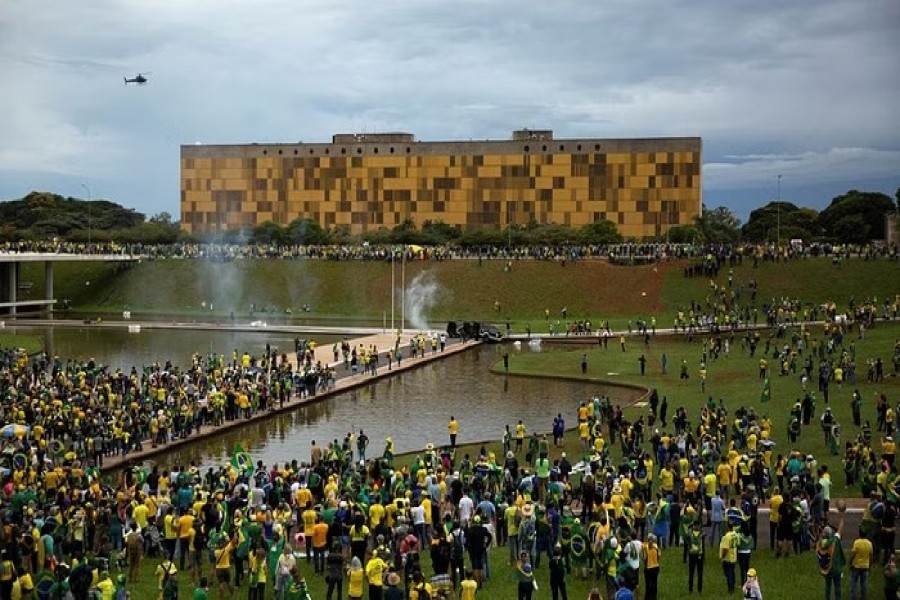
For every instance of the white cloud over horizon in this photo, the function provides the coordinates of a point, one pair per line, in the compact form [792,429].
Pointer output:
[807,89]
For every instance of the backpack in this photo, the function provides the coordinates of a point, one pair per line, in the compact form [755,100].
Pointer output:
[825,555]
[458,551]
[526,530]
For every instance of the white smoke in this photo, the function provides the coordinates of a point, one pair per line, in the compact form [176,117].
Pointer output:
[421,295]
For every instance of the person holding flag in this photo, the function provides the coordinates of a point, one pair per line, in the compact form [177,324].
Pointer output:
[766,391]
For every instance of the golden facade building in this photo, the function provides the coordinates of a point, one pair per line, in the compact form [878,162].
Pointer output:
[367,181]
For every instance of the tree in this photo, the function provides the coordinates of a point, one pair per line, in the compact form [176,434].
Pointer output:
[851,229]
[784,218]
[306,232]
[872,207]
[603,231]
[683,234]
[269,232]
[718,226]
[439,232]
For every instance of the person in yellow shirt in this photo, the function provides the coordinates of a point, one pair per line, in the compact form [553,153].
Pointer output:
[355,579]
[468,587]
[666,480]
[185,527]
[520,435]
[140,514]
[419,585]
[375,570]
[775,503]
[724,472]
[170,531]
[222,565]
[258,574]
[584,434]
[309,525]
[320,541]
[453,429]
[860,565]
[728,555]
[650,553]
[106,587]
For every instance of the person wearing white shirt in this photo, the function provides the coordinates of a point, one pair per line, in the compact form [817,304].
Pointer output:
[466,509]
[417,512]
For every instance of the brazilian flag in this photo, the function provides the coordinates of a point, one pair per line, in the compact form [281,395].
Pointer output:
[241,461]
[766,392]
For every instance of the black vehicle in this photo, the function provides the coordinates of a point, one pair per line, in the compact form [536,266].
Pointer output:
[472,330]
[491,334]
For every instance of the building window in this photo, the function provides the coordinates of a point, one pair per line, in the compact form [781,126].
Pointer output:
[327,151]
[343,151]
[596,147]
[376,150]
[562,148]
[527,148]
[295,152]
[265,152]
[407,149]
[578,147]
[359,150]
[310,151]
[543,148]
[279,152]
[392,150]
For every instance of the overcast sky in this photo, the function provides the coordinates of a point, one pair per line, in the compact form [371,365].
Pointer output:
[809,89]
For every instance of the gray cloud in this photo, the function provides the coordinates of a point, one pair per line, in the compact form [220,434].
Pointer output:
[805,87]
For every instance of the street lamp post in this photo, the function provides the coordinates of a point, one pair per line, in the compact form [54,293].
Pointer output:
[90,201]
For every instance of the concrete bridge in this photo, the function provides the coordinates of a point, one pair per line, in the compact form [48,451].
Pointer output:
[10,263]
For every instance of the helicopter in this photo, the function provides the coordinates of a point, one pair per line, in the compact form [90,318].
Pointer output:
[139,79]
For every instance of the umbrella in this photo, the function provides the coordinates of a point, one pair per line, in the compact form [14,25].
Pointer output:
[14,430]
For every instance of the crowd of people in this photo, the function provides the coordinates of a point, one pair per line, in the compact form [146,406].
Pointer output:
[364,522]
[624,253]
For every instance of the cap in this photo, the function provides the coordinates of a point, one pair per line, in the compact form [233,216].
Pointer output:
[751,572]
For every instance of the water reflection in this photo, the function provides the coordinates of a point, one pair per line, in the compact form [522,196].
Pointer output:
[413,408]
[119,349]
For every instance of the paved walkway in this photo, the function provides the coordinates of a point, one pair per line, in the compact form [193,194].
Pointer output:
[345,380]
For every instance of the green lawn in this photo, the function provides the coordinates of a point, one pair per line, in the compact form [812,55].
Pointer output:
[464,289]
[734,379]
[30,343]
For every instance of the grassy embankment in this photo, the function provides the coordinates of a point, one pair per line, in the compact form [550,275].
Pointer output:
[359,292]
[29,343]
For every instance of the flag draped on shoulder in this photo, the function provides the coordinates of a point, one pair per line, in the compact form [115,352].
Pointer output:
[766,391]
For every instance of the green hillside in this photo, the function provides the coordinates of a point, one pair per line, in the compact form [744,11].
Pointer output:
[358,292]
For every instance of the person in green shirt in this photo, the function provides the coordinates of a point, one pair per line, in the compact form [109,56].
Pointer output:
[201,592]
[744,549]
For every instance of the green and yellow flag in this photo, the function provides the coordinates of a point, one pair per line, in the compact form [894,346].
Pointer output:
[241,461]
[766,391]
